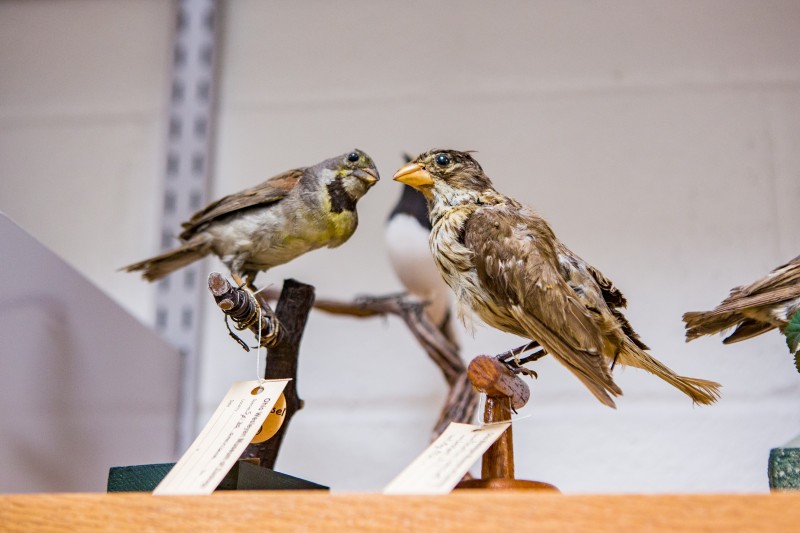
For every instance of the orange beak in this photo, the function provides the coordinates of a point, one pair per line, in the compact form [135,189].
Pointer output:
[415,176]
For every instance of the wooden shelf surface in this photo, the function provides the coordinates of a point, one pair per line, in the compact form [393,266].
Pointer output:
[467,510]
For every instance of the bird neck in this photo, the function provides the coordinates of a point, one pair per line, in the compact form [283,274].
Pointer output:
[340,198]
[445,201]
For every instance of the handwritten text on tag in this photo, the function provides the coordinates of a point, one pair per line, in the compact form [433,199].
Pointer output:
[223,439]
[439,469]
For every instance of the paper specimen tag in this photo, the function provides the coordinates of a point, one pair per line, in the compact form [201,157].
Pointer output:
[439,469]
[223,439]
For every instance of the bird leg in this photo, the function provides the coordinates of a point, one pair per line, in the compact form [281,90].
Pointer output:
[247,281]
[515,352]
[535,356]
[512,360]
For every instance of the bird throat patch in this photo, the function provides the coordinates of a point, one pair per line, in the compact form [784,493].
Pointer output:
[340,199]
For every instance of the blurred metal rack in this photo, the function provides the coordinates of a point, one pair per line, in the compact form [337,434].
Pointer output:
[189,139]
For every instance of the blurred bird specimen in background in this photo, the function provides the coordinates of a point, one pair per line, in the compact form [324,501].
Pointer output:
[772,302]
[407,231]
[504,262]
[274,222]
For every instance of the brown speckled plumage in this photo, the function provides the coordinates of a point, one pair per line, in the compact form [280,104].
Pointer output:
[504,262]
[753,309]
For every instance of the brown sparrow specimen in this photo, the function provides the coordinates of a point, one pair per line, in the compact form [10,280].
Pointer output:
[753,309]
[274,222]
[505,263]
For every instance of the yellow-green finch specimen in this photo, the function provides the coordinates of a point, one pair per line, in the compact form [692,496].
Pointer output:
[504,262]
[274,222]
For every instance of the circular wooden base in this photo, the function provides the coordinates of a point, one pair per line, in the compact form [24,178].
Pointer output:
[504,483]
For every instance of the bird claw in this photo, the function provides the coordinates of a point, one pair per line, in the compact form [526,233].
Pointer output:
[527,372]
[517,368]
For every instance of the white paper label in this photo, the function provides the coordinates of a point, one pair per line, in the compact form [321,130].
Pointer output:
[223,439]
[439,469]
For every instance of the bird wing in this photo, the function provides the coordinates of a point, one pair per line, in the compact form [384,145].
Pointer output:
[265,193]
[780,285]
[577,272]
[517,262]
[788,274]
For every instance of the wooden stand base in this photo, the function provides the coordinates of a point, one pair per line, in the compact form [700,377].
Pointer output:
[504,392]
[500,483]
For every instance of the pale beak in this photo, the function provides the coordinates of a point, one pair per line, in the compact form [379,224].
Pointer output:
[367,175]
[414,175]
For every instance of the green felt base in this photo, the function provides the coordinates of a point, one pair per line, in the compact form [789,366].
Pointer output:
[784,469]
[243,476]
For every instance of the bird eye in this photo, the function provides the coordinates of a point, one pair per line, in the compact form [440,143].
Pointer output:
[442,160]
[353,157]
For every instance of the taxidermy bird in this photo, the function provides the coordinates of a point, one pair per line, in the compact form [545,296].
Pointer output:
[504,262]
[407,231]
[274,222]
[769,303]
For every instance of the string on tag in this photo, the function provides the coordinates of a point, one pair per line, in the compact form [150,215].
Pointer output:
[481,409]
[259,347]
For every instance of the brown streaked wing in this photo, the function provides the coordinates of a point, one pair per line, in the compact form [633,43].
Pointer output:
[783,275]
[516,262]
[267,192]
[610,294]
[739,300]
[589,368]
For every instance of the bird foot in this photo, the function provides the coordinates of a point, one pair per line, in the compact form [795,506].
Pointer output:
[513,362]
[522,370]
[370,299]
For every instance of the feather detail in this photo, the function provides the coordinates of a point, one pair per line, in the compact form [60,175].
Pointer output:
[699,390]
[159,266]
[752,309]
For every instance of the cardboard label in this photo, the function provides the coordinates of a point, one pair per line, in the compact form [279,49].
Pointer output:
[439,469]
[222,441]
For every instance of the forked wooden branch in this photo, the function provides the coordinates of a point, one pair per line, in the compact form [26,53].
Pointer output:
[462,400]
[281,333]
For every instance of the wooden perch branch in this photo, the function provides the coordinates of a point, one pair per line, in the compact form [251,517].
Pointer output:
[242,307]
[462,400]
[281,333]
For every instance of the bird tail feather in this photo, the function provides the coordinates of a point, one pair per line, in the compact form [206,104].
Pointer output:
[159,266]
[699,323]
[701,391]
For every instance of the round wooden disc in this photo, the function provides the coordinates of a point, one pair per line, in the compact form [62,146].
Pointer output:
[504,483]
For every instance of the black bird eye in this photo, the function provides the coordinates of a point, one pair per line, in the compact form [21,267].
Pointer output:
[442,160]
[353,157]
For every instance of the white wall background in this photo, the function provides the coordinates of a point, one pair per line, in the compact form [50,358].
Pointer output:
[659,138]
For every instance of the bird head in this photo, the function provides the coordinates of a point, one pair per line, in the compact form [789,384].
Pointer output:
[445,174]
[352,173]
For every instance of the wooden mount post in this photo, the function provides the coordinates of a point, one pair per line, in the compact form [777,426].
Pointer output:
[505,392]
[462,400]
[282,331]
